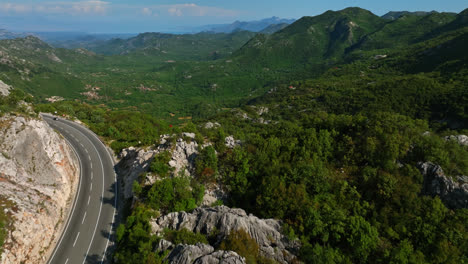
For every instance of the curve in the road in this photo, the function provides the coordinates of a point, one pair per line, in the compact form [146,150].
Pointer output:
[88,230]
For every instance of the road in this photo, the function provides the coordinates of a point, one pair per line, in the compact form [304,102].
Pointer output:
[87,234]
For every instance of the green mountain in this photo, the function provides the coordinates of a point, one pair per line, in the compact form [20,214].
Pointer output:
[201,46]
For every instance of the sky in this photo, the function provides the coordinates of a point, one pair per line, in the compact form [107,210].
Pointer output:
[135,16]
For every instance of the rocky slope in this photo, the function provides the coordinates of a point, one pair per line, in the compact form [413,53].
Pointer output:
[38,175]
[198,254]
[266,232]
[453,193]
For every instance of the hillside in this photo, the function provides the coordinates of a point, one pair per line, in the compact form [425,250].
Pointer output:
[347,127]
[201,46]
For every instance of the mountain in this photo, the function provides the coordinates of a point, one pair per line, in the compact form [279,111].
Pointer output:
[311,40]
[5,34]
[392,15]
[200,46]
[254,26]
[274,28]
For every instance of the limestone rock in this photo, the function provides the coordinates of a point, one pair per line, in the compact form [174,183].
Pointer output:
[461,139]
[453,193]
[210,125]
[231,142]
[38,173]
[199,254]
[266,232]
[4,89]
[133,162]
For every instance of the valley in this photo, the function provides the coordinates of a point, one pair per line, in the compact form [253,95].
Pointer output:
[335,138]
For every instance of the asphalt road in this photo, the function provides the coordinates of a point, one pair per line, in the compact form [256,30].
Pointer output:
[87,234]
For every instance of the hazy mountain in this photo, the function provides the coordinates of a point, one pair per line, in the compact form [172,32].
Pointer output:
[5,34]
[254,26]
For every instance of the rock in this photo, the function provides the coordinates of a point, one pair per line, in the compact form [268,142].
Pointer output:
[221,257]
[189,135]
[210,125]
[39,174]
[266,232]
[133,162]
[453,194]
[461,139]
[262,110]
[231,142]
[4,88]
[212,194]
[199,253]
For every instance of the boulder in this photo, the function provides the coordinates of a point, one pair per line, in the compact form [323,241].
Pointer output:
[461,139]
[266,232]
[453,193]
[4,89]
[231,142]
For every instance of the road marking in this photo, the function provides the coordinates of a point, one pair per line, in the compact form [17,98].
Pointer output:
[81,145]
[66,261]
[91,165]
[84,217]
[74,203]
[86,151]
[89,157]
[91,188]
[89,198]
[92,175]
[72,125]
[76,239]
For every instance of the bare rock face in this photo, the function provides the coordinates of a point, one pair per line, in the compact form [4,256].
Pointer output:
[199,254]
[135,161]
[266,232]
[454,194]
[4,89]
[39,174]
[461,139]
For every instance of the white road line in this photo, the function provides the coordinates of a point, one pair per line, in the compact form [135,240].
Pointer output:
[91,187]
[92,175]
[74,203]
[84,217]
[91,165]
[66,261]
[115,198]
[82,145]
[89,157]
[76,239]
[89,198]
[86,151]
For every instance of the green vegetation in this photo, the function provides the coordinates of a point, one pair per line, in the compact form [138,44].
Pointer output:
[5,221]
[350,97]
[184,236]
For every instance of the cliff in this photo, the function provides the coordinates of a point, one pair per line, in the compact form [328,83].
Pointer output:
[38,177]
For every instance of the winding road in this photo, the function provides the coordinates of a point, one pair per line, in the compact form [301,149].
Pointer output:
[87,234]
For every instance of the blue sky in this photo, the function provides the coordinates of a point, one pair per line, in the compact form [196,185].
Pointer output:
[133,16]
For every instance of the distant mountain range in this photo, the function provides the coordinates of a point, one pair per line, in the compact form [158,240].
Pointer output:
[254,26]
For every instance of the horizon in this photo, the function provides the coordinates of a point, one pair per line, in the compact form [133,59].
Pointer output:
[120,17]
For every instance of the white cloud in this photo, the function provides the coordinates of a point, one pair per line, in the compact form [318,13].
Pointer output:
[146,11]
[65,8]
[179,10]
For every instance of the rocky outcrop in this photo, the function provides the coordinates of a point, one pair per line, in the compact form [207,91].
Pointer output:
[231,142]
[461,139]
[198,254]
[4,89]
[266,232]
[453,193]
[135,161]
[38,174]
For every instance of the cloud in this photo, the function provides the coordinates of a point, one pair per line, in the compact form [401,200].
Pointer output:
[194,10]
[65,8]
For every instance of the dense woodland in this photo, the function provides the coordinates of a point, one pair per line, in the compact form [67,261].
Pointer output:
[336,160]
